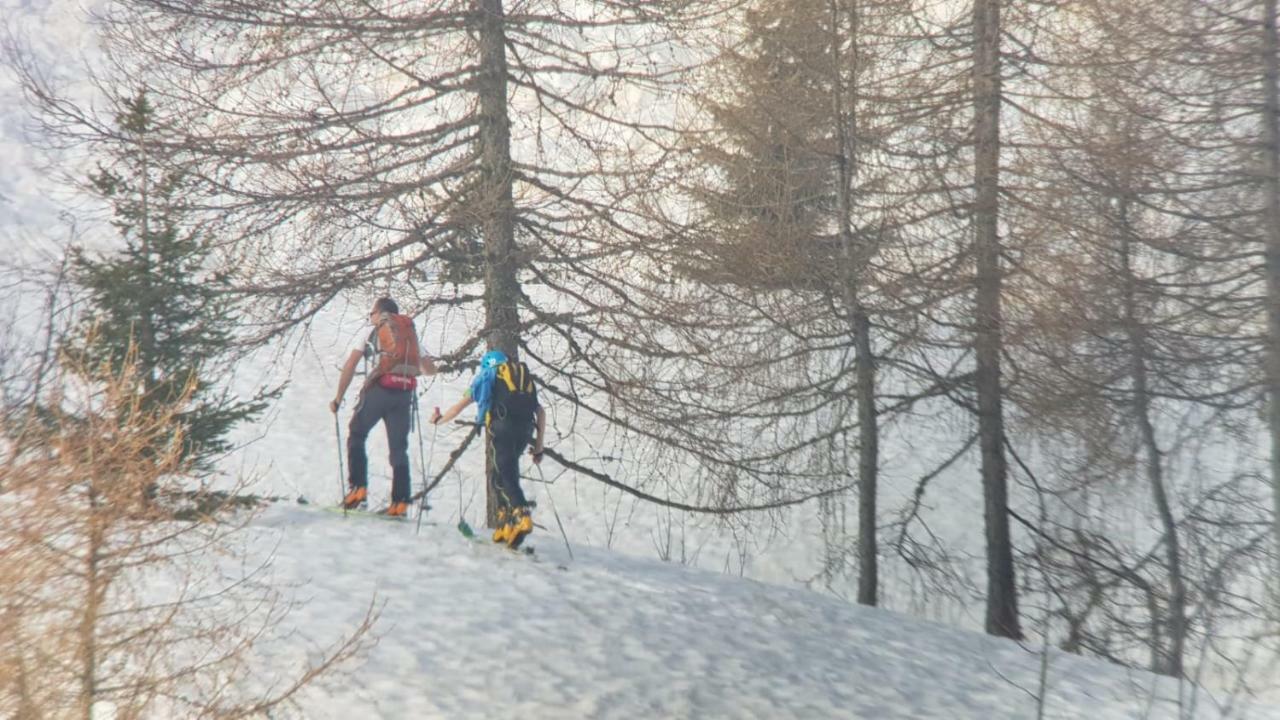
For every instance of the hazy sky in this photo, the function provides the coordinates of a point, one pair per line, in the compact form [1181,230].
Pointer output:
[31,201]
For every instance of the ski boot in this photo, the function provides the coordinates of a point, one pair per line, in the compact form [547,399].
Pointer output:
[501,534]
[521,525]
[356,498]
[398,509]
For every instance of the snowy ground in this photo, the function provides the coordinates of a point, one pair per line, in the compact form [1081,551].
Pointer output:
[618,634]
[468,629]
[294,452]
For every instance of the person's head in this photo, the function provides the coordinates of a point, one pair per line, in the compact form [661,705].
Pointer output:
[492,359]
[383,305]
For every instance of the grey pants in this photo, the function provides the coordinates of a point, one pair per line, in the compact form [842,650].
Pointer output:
[393,408]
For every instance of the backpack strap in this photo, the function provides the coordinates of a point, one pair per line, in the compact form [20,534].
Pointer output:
[504,374]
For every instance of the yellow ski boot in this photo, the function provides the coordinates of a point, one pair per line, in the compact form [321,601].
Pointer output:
[502,533]
[521,525]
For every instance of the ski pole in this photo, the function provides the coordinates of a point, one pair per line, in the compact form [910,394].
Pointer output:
[416,421]
[337,434]
[554,512]
[463,527]
[423,462]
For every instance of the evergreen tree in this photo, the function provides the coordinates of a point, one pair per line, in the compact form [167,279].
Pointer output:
[156,297]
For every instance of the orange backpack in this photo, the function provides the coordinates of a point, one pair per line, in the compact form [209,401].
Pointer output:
[396,349]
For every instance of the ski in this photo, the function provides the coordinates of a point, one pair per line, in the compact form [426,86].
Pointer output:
[465,530]
[369,514]
[372,514]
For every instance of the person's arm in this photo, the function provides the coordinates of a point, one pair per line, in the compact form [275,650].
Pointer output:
[427,364]
[540,420]
[344,380]
[451,413]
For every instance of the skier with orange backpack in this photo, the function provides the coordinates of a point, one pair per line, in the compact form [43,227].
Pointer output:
[387,396]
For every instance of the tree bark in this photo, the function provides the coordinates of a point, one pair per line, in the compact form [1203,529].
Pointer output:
[868,463]
[502,288]
[1002,593]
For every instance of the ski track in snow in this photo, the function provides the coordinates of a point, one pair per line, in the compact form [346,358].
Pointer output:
[468,629]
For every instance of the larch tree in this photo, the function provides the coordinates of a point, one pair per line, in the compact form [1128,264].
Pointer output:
[793,170]
[1002,588]
[504,151]
[1128,393]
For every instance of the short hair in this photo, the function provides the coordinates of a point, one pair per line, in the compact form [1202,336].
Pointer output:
[387,305]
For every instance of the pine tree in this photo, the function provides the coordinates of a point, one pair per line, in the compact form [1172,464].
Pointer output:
[155,296]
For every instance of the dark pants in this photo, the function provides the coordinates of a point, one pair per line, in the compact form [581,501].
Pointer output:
[393,408]
[504,476]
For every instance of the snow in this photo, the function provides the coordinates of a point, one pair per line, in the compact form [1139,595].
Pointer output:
[468,629]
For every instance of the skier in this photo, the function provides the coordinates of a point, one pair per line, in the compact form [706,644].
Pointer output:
[387,396]
[506,399]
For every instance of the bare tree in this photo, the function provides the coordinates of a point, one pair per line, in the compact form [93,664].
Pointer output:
[1002,593]
[1222,85]
[504,152]
[1148,366]
[112,604]
[798,171]
[1270,121]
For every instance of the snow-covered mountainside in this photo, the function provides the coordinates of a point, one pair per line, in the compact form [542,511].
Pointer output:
[469,630]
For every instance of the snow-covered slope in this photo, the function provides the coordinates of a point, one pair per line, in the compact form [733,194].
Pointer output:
[469,630]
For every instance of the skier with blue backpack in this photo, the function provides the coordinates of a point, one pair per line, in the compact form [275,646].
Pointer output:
[506,399]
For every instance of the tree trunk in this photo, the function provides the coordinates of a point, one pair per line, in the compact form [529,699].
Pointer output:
[94,585]
[502,289]
[1002,592]
[868,463]
[146,331]
[860,322]
[1170,661]
[1271,188]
